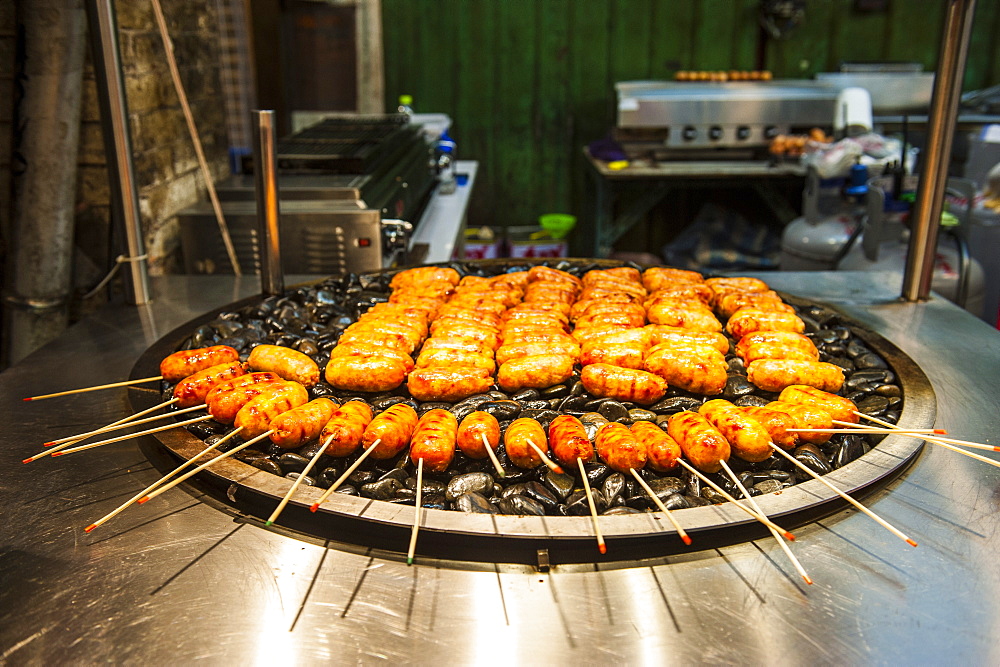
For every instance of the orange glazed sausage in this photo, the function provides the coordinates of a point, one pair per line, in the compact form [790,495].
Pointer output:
[179,365]
[662,451]
[474,429]
[391,429]
[619,448]
[776,374]
[433,440]
[299,425]
[701,442]
[624,384]
[342,434]
[569,441]
[256,416]
[515,442]
[194,389]
[290,364]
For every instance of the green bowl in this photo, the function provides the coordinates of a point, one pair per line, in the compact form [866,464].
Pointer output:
[557,224]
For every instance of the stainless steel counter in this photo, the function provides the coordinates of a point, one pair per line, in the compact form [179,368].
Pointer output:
[179,579]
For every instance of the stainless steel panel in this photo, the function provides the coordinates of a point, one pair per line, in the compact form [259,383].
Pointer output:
[177,579]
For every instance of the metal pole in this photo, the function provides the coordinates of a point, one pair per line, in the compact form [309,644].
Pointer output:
[272,280]
[937,151]
[118,144]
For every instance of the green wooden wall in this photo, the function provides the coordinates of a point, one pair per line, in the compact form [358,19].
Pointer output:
[528,83]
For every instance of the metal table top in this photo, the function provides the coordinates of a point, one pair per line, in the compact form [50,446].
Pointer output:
[178,579]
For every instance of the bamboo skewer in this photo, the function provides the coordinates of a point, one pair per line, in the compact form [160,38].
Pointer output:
[862,429]
[601,545]
[882,522]
[192,473]
[953,441]
[131,435]
[298,480]
[117,427]
[118,510]
[553,466]
[343,478]
[784,547]
[756,515]
[94,388]
[493,456]
[417,511]
[937,442]
[663,508]
[120,421]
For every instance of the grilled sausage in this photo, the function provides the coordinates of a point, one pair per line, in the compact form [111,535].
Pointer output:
[749,320]
[625,273]
[584,335]
[525,349]
[840,408]
[391,429]
[366,374]
[641,337]
[660,277]
[662,333]
[694,367]
[662,451]
[606,319]
[456,343]
[544,273]
[299,425]
[743,283]
[623,384]
[685,315]
[453,315]
[619,448]
[225,405]
[342,433]
[569,441]
[448,384]
[409,339]
[474,428]
[369,350]
[623,355]
[180,365]
[433,440]
[387,340]
[240,381]
[806,416]
[701,442]
[515,442]
[770,350]
[537,371]
[748,439]
[433,358]
[256,415]
[776,374]
[424,274]
[684,292]
[730,302]
[290,364]
[776,424]
[194,389]
[786,338]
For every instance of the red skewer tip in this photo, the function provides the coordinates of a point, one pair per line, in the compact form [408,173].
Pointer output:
[26,399]
[808,580]
[687,540]
[47,444]
[90,528]
[28,460]
[940,431]
[558,470]
[789,536]
[58,453]
[602,547]
[314,507]
[911,542]
[143,499]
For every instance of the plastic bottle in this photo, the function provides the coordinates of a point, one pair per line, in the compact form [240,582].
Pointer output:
[445,158]
[405,105]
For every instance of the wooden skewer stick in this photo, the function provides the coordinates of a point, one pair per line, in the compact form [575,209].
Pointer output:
[298,480]
[493,456]
[784,547]
[756,515]
[854,426]
[417,512]
[192,473]
[120,421]
[553,466]
[118,510]
[882,522]
[953,441]
[343,478]
[663,508]
[135,422]
[95,388]
[601,545]
[132,435]
[861,429]
[938,442]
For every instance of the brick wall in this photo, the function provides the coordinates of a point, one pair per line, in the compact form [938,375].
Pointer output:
[167,173]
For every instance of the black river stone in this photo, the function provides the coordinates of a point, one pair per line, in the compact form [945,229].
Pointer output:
[474,503]
[478,482]
[520,505]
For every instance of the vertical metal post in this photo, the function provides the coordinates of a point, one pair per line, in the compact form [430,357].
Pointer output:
[937,151]
[266,180]
[118,143]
